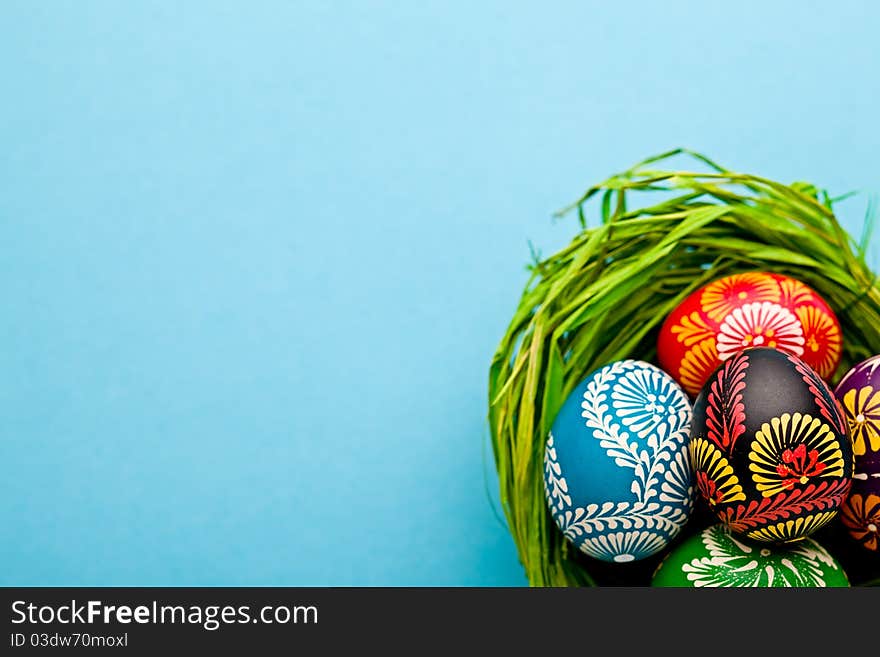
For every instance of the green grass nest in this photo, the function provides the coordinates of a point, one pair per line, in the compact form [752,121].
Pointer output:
[604,296]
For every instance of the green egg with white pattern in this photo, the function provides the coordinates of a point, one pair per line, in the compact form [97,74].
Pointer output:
[717,558]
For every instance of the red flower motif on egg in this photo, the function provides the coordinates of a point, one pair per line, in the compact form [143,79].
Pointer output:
[760,324]
[792,450]
[799,466]
[716,480]
[708,487]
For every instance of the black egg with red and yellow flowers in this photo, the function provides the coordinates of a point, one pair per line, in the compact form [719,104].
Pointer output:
[769,447]
[771,444]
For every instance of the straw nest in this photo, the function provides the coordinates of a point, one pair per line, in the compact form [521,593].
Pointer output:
[647,238]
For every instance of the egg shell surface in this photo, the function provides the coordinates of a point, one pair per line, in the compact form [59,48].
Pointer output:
[753,309]
[770,448]
[859,394]
[715,557]
[617,476]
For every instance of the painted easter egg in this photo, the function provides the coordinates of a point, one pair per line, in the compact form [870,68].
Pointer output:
[715,557]
[617,477]
[770,448]
[859,395]
[747,310]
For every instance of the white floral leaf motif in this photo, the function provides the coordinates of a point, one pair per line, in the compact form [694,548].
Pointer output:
[622,547]
[734,563]
[595,519]
[815,553]
[646,432]
[678,484]
[555,485]
[653,409]
[760,324]
[595,411]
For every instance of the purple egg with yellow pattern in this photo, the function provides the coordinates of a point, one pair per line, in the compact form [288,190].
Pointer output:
[859,394]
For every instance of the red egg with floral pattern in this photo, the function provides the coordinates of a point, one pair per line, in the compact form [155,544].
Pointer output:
[753,309]
[770,447]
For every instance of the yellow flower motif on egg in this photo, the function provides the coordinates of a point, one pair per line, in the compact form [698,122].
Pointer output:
[788,530]
[692,329]
[791,450]
[722,296]
[821,336]
[794,292]
[715,478]
[697,364]
[862,409]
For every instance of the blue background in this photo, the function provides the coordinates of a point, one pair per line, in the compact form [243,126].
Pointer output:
[255,257]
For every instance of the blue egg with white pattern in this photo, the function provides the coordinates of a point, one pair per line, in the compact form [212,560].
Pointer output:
[617,474]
